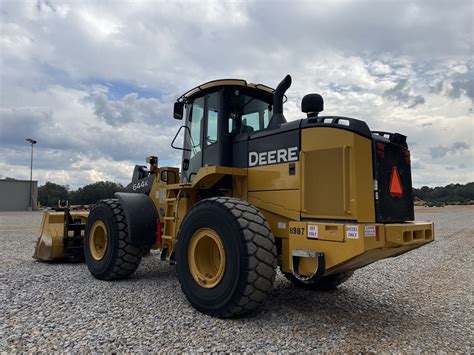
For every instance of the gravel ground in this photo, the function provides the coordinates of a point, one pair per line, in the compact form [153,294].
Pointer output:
[421,301]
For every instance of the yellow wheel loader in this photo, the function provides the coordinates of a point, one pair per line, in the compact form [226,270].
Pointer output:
[317,197]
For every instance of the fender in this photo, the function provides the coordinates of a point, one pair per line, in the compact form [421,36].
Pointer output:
[141,217]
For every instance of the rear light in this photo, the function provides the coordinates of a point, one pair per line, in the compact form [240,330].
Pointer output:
[380,150]
[159,232]
[407,156]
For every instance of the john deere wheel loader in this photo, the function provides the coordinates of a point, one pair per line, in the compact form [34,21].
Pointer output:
[318,197]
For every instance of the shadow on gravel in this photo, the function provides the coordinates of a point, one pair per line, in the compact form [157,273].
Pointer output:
[57,262]
[346,306]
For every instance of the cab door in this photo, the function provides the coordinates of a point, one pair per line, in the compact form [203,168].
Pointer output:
[201,139]
[210,146]
[192,150]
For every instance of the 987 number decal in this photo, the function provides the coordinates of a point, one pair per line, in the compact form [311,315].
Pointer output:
[297,230]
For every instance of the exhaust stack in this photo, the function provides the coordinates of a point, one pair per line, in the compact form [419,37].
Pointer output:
[278,118]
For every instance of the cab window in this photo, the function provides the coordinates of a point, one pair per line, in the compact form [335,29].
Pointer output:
[193,141]
[252,121]
[195,119]
[247,114]
[212,117]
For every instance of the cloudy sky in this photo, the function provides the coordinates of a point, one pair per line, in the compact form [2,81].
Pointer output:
[94,81]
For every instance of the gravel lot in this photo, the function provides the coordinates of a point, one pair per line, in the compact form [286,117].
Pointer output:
[421,301]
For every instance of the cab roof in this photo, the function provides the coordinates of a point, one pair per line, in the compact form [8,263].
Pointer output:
[223,82]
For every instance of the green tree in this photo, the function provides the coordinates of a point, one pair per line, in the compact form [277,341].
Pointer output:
[92,193]
[50,193]
[452,193]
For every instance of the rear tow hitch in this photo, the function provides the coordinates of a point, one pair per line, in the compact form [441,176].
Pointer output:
[297,254]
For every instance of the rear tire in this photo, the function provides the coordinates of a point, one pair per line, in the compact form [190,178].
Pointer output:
[238,232]
[327,283]
[117,258]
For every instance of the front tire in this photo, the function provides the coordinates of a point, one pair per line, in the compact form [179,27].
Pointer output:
[108,254]
[226,257]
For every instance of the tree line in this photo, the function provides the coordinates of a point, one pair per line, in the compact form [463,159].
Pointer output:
[50,193]
[449,194]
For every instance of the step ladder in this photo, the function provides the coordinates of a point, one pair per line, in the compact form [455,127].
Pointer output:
[169,220]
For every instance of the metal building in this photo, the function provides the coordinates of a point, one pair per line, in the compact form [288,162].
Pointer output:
[15,194]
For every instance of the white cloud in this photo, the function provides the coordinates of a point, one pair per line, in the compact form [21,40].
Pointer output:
[94,82]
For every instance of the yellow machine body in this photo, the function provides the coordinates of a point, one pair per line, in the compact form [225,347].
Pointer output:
[321,203]
[333,181]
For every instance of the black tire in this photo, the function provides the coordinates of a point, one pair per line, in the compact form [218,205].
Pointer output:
[121,258]
[327,283]
[250,257]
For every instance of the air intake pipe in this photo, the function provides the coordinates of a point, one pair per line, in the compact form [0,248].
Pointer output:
[278,118]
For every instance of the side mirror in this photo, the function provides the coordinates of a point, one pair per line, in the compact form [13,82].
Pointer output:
[178,110]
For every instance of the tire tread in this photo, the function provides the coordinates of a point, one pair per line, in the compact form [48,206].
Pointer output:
[128,256]
[261,258]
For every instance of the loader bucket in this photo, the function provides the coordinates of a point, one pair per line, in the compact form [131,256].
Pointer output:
[61,235]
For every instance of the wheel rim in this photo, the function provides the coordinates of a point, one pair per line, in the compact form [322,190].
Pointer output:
[98,240]
[206,258]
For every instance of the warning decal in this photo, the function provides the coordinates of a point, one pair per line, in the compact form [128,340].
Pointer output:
[396,189]
[312,231]
[370,231]
[352,232]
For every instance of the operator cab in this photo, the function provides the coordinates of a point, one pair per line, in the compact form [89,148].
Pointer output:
[216,115]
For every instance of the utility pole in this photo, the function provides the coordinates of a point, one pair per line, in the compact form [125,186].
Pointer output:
[33,142]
